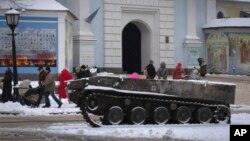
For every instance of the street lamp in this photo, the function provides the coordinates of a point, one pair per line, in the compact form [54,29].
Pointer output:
[12,18]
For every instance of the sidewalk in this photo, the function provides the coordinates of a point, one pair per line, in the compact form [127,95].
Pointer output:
[10,121]
[242,95]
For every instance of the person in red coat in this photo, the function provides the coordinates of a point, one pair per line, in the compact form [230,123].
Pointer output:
[63,76]
[178,72]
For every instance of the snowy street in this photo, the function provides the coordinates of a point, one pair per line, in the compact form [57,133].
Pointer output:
[66,123]
[124,70]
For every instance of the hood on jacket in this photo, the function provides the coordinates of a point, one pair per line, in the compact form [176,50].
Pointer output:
[163,65]
[66,74]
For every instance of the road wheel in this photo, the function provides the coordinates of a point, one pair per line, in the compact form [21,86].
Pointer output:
[92,103]
[183,114]
[138,115]
[161,115]
[115,115]
[204,115]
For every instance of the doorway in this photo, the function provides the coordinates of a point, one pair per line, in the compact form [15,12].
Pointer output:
[131,49]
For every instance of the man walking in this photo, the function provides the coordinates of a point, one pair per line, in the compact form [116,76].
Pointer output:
[49,88]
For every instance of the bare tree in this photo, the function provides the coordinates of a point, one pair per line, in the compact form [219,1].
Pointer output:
[17,4]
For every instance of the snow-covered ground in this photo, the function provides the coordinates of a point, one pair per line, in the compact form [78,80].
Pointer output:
[210,132]
[16,108]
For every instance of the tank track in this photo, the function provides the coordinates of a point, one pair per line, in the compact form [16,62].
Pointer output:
[213,105]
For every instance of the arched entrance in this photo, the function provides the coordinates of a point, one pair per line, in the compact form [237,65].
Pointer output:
[131,49]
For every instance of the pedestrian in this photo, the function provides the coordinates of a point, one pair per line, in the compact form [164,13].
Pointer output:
[41,78]
[150,71]
[203,67]
[63,76]
[134,75]
[162,72]
[178,72]
[7,86]
[194,74]
[85,71]
[1,82]
[79,73]
[49,88]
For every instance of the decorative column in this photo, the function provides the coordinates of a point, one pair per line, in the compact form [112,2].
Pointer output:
[192,42]
[84,40]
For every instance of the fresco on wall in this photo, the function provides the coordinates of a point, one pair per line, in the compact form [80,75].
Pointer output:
[240,52]
[217,52]
[34,47]
[228,52]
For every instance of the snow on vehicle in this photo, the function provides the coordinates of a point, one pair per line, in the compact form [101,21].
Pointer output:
[107,100]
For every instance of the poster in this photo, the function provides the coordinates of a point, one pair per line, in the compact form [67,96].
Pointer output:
[34,47]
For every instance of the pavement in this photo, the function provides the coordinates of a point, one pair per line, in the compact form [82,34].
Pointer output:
[242,94]
[51,118]
[40,121]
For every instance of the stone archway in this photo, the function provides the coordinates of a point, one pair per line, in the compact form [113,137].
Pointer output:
[131,49]
[136,47]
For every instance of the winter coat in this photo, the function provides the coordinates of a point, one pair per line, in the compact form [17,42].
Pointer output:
[86,73]
[162,71]
[49,83]
[194,74]
[78,73]
[203,69]
[150,71]
[41,77]
[178,72]
[7,86]
[63,76]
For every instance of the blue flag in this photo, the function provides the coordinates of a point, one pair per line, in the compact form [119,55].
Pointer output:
[92,16]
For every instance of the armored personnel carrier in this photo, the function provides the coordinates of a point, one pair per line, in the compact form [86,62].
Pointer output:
[109,100]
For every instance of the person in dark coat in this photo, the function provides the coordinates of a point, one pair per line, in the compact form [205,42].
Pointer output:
[150,71]
[203,67]
[78,73]
[85,71]
[162,72]
[178,72]
[41,78]
[7,86]
[63,76]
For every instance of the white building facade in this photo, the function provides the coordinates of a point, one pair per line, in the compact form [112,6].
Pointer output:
[123,35]
[154,21]
[129,33]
